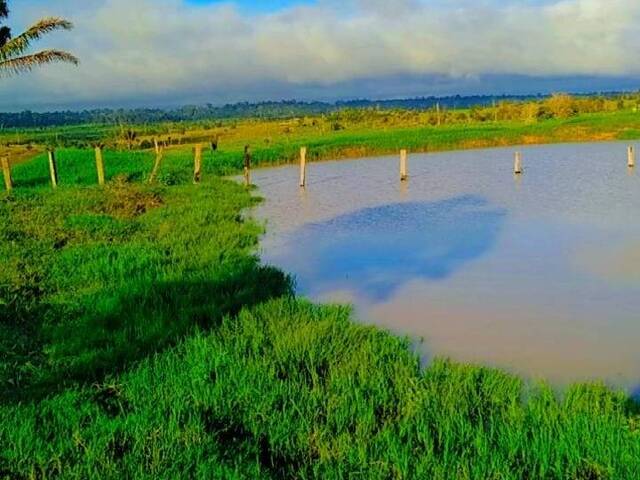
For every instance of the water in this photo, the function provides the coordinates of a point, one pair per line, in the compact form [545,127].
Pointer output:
[538,274]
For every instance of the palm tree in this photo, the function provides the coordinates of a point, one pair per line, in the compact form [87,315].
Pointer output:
[13,50]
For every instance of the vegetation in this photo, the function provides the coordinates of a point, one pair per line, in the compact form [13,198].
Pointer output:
[356,132]
[457,108]
[142,338]
[13,57]
[262,110]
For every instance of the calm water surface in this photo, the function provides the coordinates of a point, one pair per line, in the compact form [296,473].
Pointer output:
[539,275]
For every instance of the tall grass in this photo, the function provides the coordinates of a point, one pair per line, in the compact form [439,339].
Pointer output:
[292,390]
[93,279]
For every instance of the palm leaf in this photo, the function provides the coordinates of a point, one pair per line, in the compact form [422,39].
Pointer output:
[18,45]
[28,62]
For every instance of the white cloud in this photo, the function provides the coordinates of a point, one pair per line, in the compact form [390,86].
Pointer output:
[163,49]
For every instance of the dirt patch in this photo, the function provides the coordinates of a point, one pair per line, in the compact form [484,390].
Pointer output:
[128,200]
[533,140]
[20,153]
[354,152]
[478,143]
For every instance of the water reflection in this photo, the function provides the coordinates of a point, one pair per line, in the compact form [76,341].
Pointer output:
[376,250]
[539,274]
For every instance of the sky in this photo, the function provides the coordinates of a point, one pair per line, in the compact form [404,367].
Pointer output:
[172,52]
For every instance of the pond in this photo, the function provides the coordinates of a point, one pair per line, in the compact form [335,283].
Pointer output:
[538,274]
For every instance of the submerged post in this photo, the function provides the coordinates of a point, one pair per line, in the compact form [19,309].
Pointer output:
[247,166]
[517,166]
[197,163]
[6,170]
[53,168]
[303,166]
[631,157]
[100,165]
[403,165]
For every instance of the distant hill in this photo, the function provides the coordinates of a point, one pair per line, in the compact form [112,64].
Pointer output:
[263,110]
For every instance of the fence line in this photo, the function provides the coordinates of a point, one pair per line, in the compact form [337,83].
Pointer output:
[247,163]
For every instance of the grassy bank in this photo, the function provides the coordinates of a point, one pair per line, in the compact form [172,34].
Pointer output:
[140,337]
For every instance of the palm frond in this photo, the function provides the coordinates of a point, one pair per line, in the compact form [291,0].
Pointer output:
[28,62]
[19,44]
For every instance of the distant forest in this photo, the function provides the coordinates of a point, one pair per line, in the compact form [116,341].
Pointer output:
[262,110]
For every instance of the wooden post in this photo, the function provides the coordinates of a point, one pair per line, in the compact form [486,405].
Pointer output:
[438,112]
[6,169]
[156,165]
[100,165]
[53,168]
[156,145]
[247,166]
[517,166]
[403,165]
[631,157]
[303,166]
[197,160]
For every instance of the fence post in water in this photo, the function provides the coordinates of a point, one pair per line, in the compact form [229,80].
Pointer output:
[403,165]
[303,166]
[197,163]
[517,166]
[53,168]
[6,169]
[631,157]
[100,165]
[247,165]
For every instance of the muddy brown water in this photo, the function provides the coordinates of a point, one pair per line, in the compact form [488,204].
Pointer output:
[537,274]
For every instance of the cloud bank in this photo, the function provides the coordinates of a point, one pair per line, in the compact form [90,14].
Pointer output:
[137,52]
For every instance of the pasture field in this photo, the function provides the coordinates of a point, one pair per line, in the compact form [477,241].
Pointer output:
[141,337]
[347,134]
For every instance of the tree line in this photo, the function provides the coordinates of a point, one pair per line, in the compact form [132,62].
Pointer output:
[482,108]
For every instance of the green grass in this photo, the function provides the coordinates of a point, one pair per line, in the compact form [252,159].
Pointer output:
[93,279]
[140,337]
[76,166]
[368,133]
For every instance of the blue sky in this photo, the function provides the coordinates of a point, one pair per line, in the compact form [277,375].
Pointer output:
[172,52]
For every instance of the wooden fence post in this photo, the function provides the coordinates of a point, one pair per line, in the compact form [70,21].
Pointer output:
[631,157]
[517,165]
[156,165]
[197,163]
[100,165]
[53,168]
[6,169]
[247,166]
[303,166]
[403,165]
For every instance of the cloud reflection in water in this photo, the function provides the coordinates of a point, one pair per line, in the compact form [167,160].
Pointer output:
[375,251]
